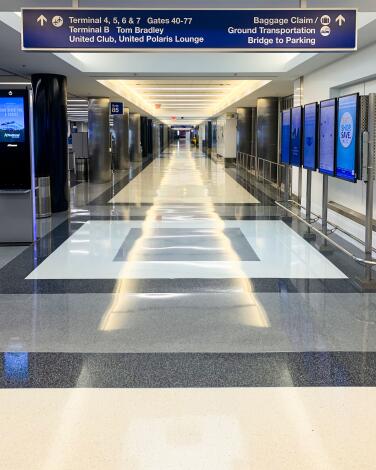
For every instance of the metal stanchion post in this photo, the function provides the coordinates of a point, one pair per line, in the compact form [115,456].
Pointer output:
[309,235]
[300,184]
[324,216]
[286,196]
[370,182]
[369,155]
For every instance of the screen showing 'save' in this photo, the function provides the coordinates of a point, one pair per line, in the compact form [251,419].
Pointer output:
[347,125]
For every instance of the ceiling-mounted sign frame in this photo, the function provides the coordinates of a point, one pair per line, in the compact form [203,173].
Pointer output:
[217,30]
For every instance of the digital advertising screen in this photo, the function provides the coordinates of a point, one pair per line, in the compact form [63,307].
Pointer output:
[327,136]
[310,137]
[347,138]
[286,136]
[12,120]
[296,136]
[15,153]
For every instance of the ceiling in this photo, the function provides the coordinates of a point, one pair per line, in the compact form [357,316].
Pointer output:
[192,85]
[363,5]
[194,100]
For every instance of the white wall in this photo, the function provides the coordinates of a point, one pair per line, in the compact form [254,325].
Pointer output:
[226,136]
[201,135]
[334,80]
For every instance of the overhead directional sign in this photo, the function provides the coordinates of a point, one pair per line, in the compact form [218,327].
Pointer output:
[234,30]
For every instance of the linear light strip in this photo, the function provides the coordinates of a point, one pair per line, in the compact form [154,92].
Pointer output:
[193,88]
[182,95]
[183,101]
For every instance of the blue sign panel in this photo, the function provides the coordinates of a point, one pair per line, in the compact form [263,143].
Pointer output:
[347,130]
[117,108]
[296,136]
[327,136]
[281,29]
[286,136]
[310,136]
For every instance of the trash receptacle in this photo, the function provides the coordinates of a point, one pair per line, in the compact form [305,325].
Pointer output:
[81,165]
[43,197]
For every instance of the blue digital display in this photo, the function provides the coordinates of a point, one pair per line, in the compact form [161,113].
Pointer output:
[286,136]
[12,120]
[310,136]
[347,126]
[296,136]
[327,136]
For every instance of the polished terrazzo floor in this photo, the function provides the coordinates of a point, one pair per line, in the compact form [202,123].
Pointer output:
[175,319]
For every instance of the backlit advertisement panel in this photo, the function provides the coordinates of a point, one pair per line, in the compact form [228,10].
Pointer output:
[310,137]
[286,136]
[327,136]
[296,136]
[347,149]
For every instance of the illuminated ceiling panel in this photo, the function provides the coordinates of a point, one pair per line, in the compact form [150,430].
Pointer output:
[193,100]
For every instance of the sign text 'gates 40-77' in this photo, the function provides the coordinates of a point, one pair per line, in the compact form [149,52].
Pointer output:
[231,30]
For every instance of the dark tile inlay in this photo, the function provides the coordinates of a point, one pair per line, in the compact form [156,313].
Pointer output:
[169,370]
[182,244]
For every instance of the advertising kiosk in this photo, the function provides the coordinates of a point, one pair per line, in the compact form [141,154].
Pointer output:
[17,202]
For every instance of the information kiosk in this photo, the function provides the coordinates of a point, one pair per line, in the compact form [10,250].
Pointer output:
[17,201]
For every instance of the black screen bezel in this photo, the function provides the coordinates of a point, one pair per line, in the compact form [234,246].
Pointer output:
[301,136]
[357,156]
[316,135]
[286,111]
[15,164]
[335,137]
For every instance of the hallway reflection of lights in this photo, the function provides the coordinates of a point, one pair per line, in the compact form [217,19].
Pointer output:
[255,316]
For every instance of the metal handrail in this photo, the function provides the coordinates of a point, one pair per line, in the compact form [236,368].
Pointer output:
[240,162]
[335,226]
[260,167]
[332,242]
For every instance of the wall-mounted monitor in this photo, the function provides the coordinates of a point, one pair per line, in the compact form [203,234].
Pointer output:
[15,168]
[296,136]
[286,136]
[310,136]
[327,136]
[347,156]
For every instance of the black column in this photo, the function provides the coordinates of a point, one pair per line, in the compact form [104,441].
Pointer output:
[150,138]
[144,137]
[51,134]
[267,131]
[135,137]
[267,128]
[246,130]
[161,137]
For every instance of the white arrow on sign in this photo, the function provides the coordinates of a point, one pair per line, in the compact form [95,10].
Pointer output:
[340,20]
[42,19]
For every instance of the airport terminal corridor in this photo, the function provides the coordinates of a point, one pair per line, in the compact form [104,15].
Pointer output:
[187,235]
[176,292]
